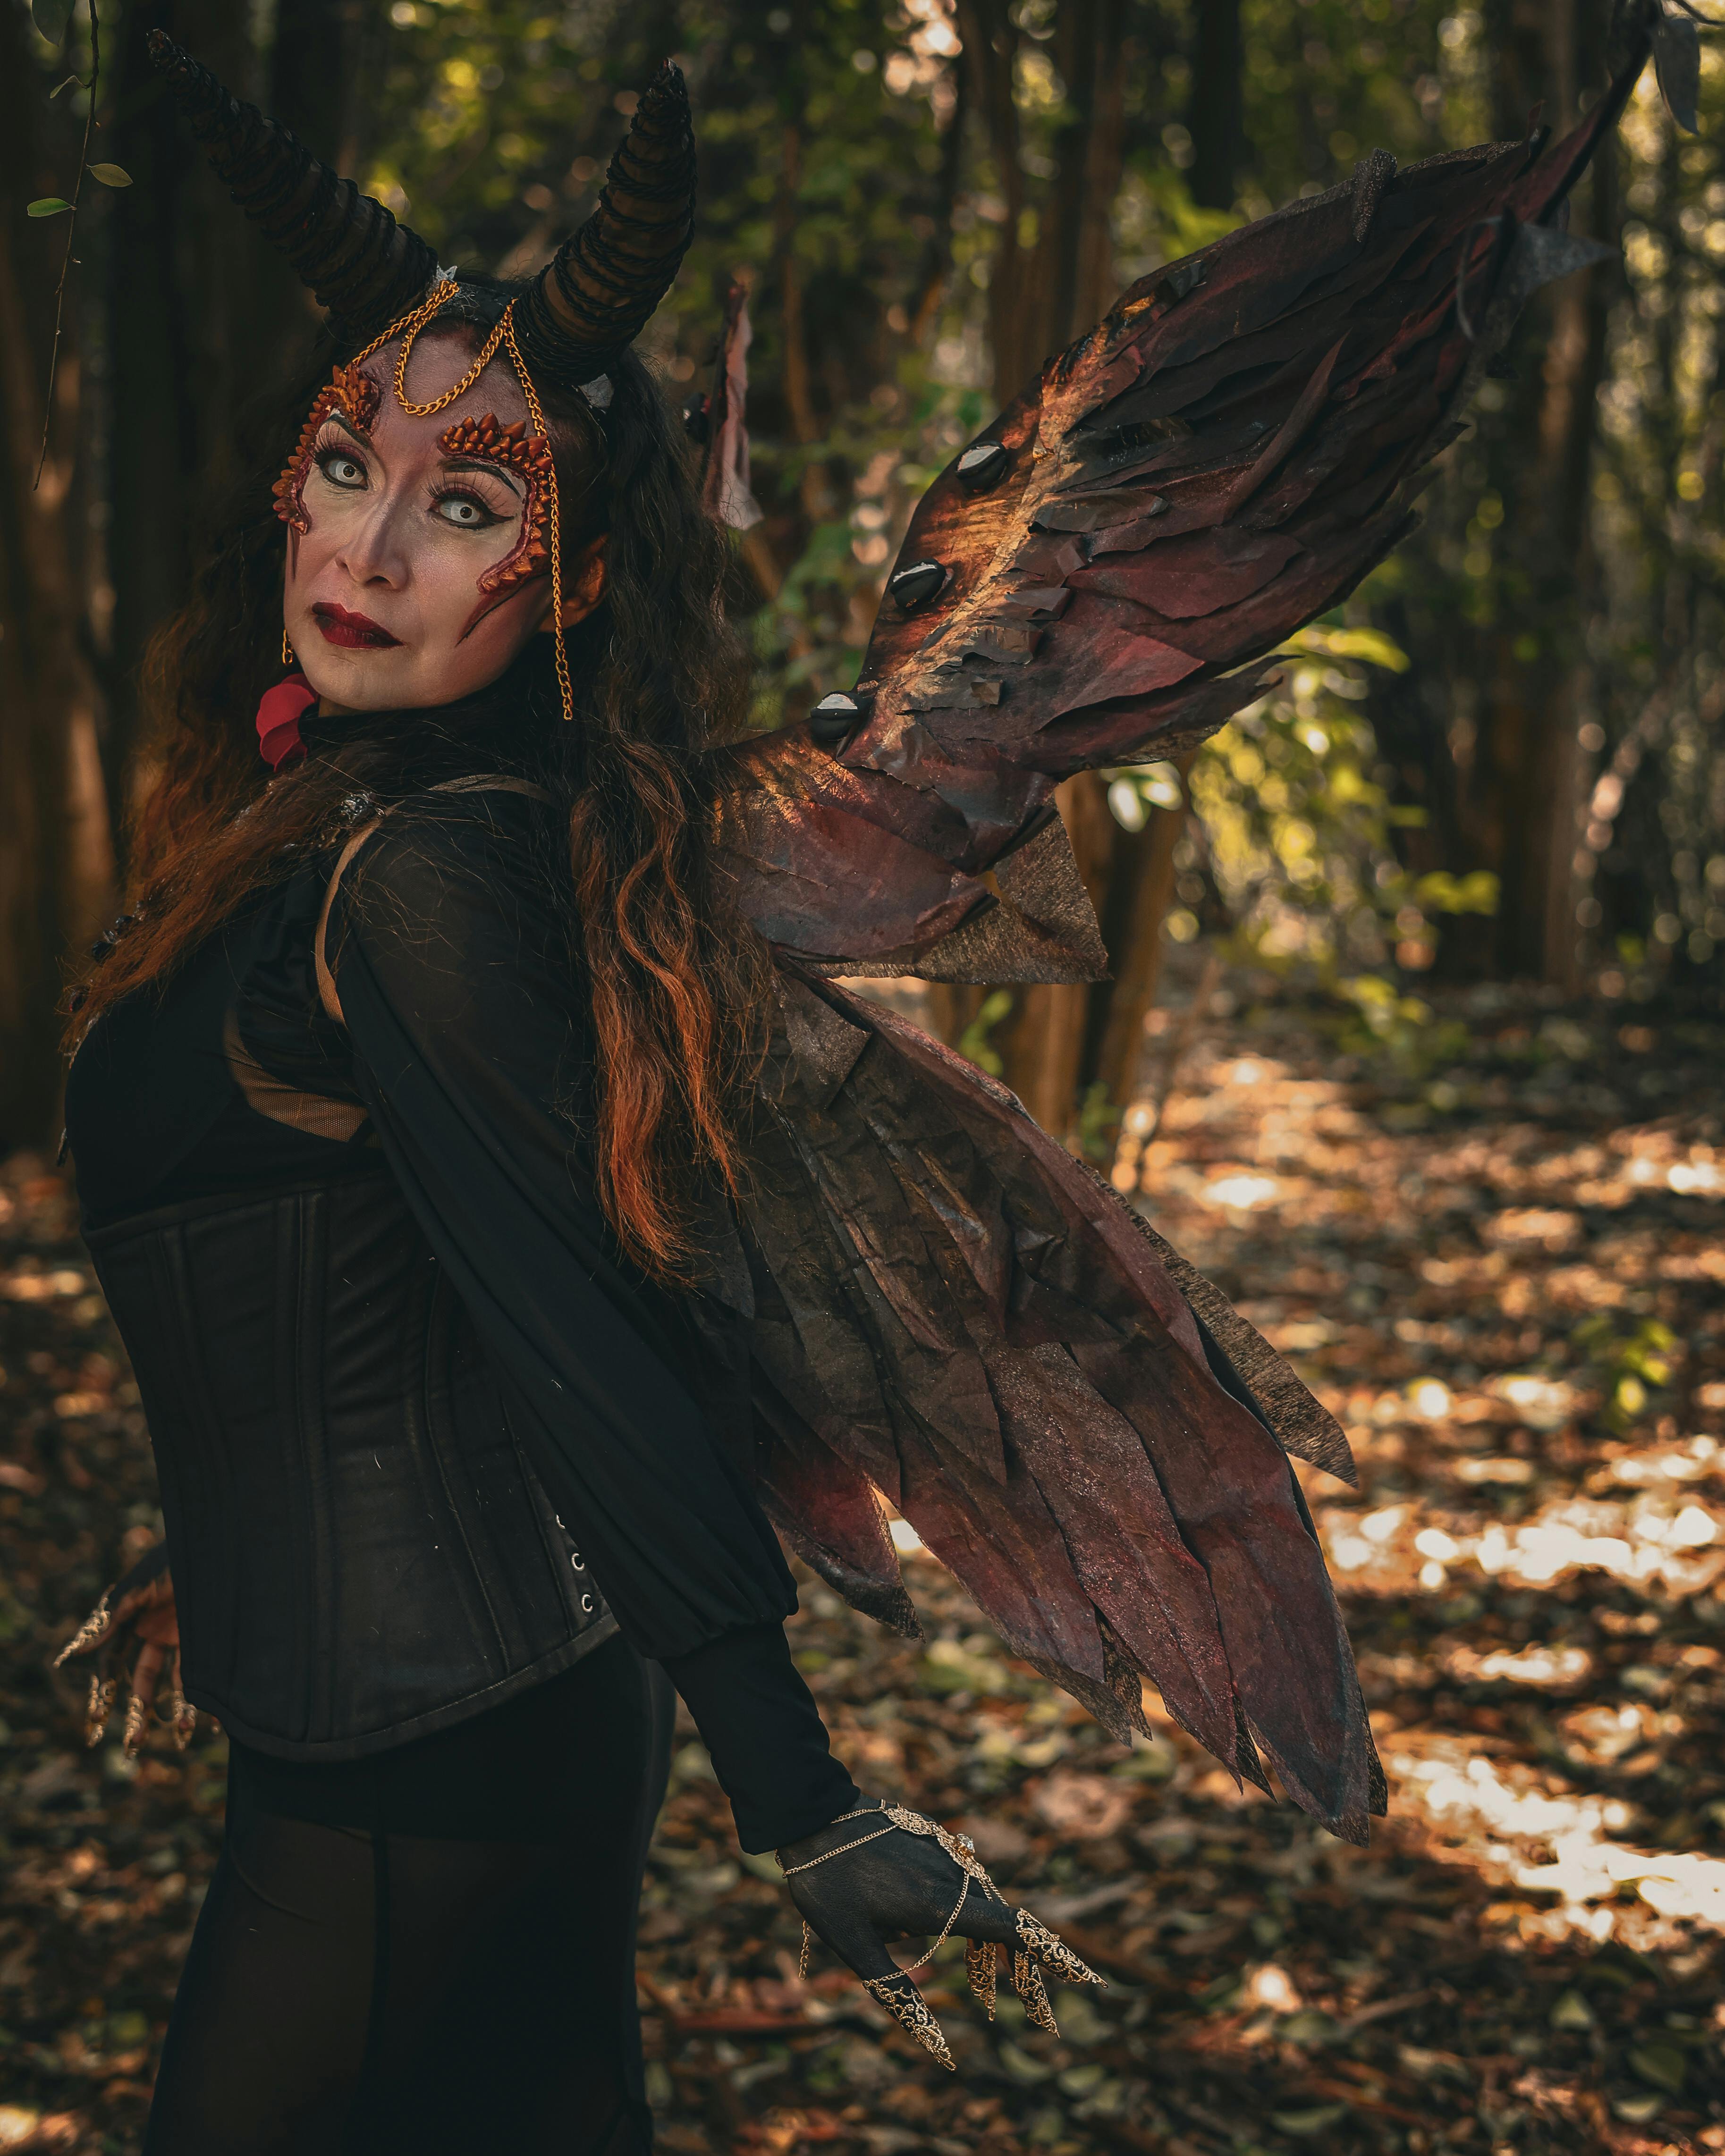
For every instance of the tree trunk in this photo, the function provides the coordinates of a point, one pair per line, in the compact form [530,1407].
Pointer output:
[990,38]
[1139,887]
[1042,1043]
[1528,766]
[178,272]
[1143,890]
[1216,114]
[210,318]
[1047,289]
[44,690]
[1041,295]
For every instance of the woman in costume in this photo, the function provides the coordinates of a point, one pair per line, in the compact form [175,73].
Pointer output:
[510,1221]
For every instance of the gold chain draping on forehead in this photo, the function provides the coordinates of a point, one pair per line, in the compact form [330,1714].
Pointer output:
[408,327]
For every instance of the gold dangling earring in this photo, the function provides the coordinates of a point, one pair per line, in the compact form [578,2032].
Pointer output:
[287,649]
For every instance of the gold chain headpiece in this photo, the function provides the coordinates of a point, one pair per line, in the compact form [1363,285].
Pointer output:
[357,394]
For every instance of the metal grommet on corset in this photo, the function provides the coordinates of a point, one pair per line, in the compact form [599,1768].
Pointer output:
[575,1563]
[586,1606]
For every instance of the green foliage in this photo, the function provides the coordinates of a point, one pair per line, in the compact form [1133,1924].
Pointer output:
[1295,826]
[828,185]
[1098,1131]
[1629,1366]
[1382,1021]
[973,1042]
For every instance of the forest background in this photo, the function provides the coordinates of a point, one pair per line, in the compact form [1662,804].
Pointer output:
[1413,1042]
[1502,758]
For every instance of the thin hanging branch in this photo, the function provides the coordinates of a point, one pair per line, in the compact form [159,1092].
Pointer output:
[110,176]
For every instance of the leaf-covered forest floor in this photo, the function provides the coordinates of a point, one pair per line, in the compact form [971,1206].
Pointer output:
[1507,1283]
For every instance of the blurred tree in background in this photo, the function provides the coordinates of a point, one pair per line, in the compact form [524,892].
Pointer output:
[1513,731]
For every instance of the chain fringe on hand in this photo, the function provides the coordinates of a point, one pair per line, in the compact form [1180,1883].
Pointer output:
[104,1690]
[982,1965]
[137,1724]
[1037,1947]
[95,1626]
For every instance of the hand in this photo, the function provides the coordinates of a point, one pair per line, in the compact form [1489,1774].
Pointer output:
[138,1607]
[884,1873]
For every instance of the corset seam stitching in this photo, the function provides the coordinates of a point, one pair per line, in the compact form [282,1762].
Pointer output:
[421,1391]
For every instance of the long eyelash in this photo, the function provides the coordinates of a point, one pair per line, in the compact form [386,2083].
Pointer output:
[453,490]
[331,437]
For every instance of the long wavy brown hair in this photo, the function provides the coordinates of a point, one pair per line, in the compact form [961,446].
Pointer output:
[672,976]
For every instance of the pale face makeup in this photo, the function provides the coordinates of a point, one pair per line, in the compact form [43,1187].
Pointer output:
[383,603]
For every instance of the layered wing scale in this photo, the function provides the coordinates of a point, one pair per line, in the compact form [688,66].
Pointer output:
[945,1307]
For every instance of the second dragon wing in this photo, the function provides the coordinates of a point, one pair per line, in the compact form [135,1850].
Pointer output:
[1096,578]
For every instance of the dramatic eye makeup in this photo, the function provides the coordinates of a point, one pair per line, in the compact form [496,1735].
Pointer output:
[339,460]
[462,497]
[473,502]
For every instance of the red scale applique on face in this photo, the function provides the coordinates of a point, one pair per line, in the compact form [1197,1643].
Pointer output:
[529,455]
[355,396]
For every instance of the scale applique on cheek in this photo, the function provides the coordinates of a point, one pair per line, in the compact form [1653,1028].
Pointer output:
[355,396]
[530,454]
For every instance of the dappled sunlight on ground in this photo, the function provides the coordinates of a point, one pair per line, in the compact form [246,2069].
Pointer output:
[1513,1306]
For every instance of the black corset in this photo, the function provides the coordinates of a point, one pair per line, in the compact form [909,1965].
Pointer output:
[360,1552]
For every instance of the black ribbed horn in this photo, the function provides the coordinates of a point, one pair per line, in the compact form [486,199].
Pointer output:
[586,307]
[362,266]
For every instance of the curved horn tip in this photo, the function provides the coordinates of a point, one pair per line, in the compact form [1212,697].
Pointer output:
[667,88]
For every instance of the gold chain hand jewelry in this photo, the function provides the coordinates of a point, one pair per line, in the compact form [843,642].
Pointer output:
[908,2008]
[95,1626]
[1037,1947]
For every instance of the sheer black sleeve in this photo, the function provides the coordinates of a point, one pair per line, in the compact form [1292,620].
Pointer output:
[472,1053]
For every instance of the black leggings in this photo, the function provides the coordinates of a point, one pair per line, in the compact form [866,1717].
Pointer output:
[432,1951]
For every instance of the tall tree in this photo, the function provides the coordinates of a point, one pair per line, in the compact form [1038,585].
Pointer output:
[1052,275]
[45,689]
[202,321]
[1501,662]
[1215,118]
[1527,770]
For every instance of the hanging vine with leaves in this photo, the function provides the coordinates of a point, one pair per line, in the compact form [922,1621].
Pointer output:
[53,20]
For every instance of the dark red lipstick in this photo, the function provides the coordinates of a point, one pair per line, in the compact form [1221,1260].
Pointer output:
[355,632]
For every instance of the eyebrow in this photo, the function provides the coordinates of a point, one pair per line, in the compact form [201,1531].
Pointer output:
[489,465]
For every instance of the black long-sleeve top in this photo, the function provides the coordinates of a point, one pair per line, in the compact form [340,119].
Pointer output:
[464,1037]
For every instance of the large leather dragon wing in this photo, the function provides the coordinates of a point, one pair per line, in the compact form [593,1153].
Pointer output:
[935,1301]
[1216,463]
